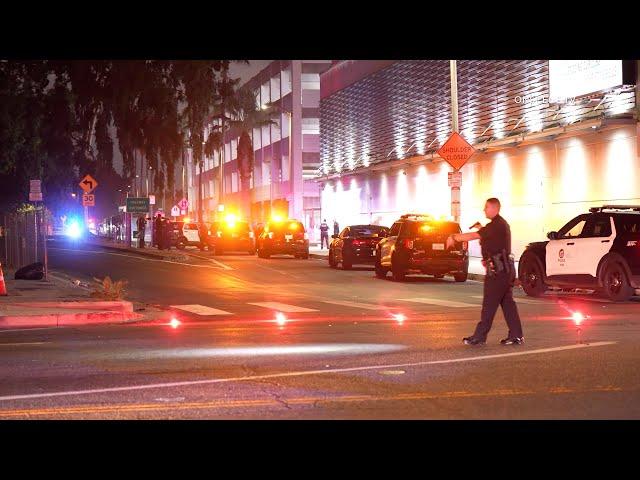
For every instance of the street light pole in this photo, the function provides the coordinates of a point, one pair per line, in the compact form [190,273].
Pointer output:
[455,191]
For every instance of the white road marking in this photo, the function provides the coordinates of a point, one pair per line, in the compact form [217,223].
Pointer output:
[367,306]
[439,302]
[299,373]
[201,309]
[521,300]
[283,307]
[10,330]
[222,265]
[18,344]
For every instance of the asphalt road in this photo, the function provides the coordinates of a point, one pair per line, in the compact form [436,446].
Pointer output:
[341,352]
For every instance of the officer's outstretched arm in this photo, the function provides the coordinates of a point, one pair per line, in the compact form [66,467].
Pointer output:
[462,237]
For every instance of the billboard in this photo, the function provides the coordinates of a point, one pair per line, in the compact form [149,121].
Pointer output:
[575,78]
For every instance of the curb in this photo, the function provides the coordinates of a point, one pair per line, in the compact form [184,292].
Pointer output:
[67,319]
[116,306]
[317,255]
[135,251]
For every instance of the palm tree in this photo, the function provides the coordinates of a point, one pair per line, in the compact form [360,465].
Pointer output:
[248,115]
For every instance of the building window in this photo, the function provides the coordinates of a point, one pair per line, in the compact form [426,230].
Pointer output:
[285,76]
[275,88]
[227,152]
[311,81]
[265,95]
[234,149]
[257,145]
[275,129]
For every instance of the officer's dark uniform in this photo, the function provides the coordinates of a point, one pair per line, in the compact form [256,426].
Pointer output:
[324,235]
[495,240]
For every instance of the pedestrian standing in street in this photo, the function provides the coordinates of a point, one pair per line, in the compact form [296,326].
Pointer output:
[167,231]
[495,242]
[336,227]
[324,234]
[142,225]
[157,230]
[160,232]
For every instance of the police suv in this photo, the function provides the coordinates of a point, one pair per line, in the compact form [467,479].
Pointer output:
[599,250]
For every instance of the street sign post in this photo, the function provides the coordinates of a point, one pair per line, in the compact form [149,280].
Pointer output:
[35,191]
[137,204]
[88,184]
[152,199]
[456,151]
[455,179]
[88,200]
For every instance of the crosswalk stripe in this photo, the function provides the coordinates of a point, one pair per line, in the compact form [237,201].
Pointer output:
[201,310]
[283,307]
[366,306]
[521,300]
[439,302]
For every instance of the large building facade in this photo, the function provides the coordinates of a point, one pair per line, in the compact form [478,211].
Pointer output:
[286,153]
[547,158]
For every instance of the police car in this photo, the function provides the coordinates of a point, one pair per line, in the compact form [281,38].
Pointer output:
[416,244]
[599,250]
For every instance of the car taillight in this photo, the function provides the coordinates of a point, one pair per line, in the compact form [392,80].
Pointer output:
[408,243]
[357,243]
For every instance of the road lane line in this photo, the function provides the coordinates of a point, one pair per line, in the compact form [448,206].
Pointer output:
[366,306]
[301,373]
[10,330]
[222,265]
[258,403]
[439,302]
[201,309]
[282,307]
[20,344]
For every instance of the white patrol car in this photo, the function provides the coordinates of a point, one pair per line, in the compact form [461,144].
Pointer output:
[599,250]
[189,235]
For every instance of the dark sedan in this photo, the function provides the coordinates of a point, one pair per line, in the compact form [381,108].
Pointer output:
[356,244]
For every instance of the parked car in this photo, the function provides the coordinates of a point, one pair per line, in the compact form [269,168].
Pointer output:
[190,234]
[286,237]
[416,244]
[231,236]
[598,250]
[356,244]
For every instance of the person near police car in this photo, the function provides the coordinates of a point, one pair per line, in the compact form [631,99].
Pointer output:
[142,225]
[324,234]
[495,242]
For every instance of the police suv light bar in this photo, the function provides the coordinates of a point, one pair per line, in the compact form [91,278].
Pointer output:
[615,207]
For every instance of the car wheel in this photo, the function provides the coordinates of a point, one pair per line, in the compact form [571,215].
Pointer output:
[397,272]
[266,254]
[181,244]
[252,251]
[346,262]
[381,272]
[531,277]
[305,256]
[460,277]
[332,260]
[201,247]
[615,284]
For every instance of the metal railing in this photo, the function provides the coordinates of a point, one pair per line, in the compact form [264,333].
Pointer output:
[25,236]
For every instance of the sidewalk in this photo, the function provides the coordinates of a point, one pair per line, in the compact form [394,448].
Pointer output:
[57,302]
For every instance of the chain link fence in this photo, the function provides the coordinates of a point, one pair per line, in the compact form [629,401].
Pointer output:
[24,235]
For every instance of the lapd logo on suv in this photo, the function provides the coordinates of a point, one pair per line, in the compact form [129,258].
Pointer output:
[561,253]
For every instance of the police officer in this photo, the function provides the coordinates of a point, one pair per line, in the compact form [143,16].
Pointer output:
[324,234]
[495,241]
[142,225]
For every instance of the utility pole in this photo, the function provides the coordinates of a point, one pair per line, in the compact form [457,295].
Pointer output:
[455,191]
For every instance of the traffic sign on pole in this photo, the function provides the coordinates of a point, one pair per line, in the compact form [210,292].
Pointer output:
[456,151]
[88,184]
[88,200]
[35,191]
[455,179]
[175,211]
[183,204]
[137,204]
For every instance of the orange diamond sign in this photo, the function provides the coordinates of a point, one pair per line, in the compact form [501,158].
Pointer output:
[456,151]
